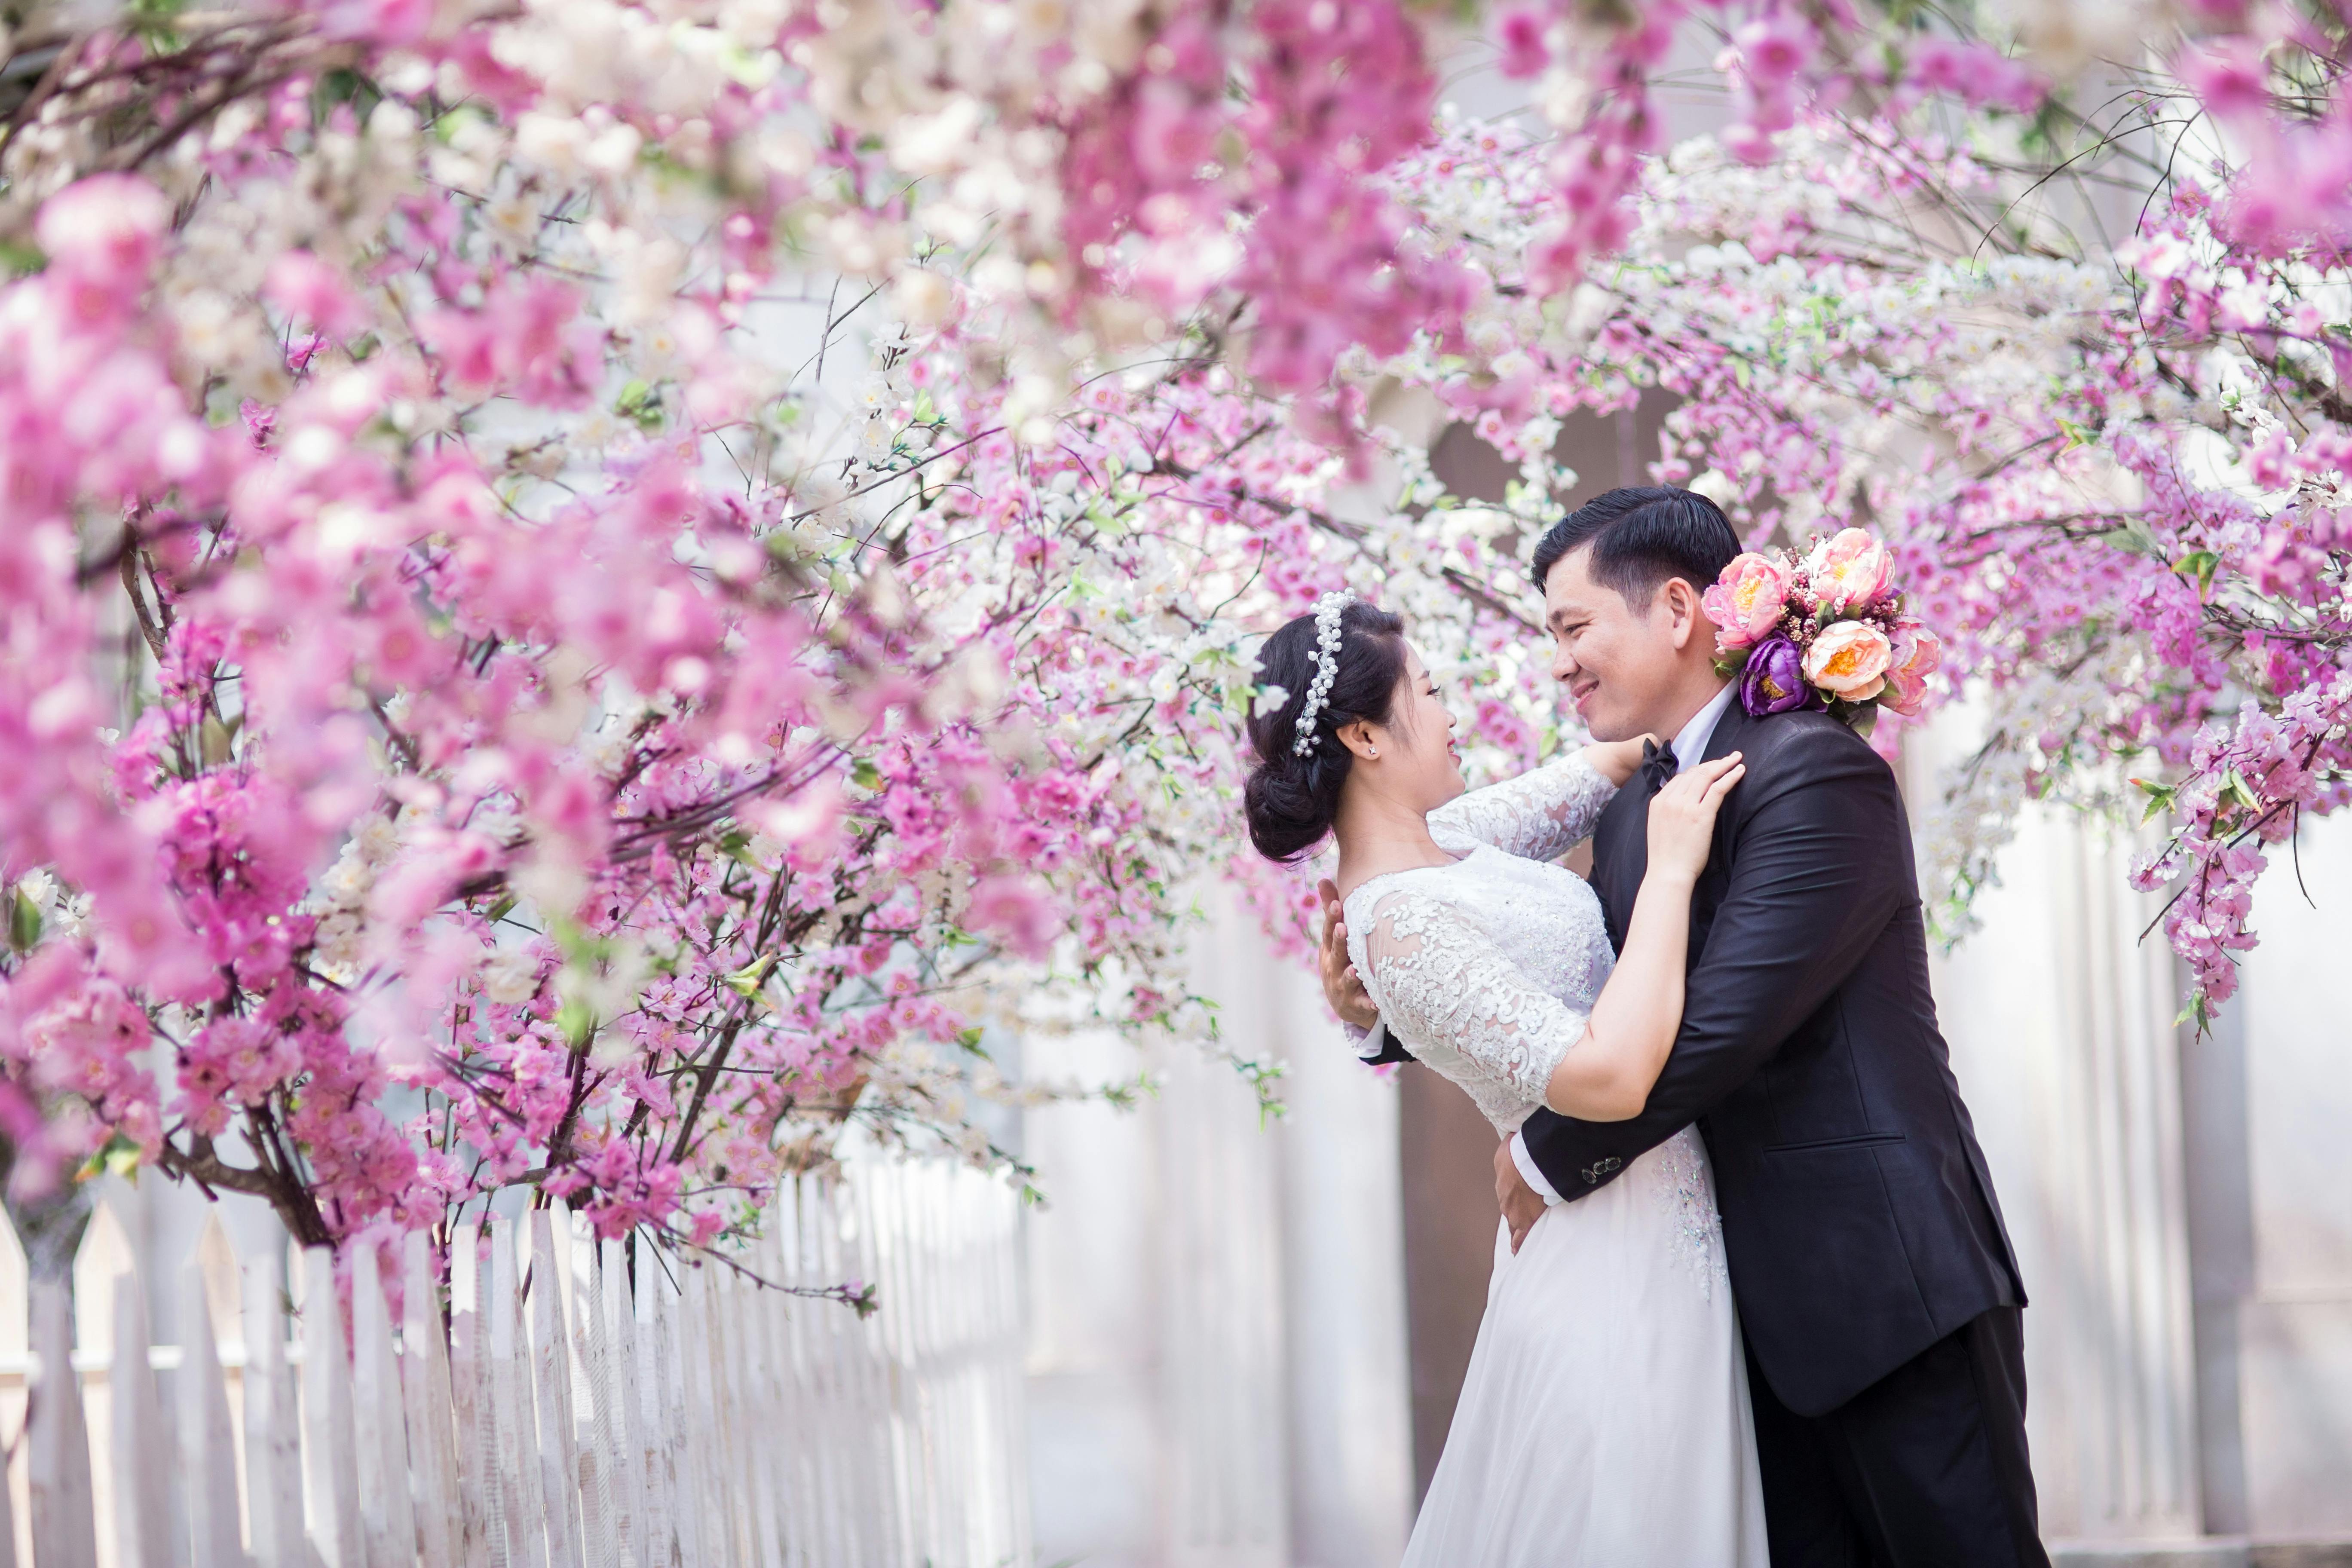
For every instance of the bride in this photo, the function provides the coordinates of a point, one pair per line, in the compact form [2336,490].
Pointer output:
[1605,1419]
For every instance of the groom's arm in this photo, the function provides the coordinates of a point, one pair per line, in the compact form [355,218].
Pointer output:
[1817,871]
[1344,989]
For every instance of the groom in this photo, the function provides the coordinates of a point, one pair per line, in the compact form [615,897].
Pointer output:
[1875,1285]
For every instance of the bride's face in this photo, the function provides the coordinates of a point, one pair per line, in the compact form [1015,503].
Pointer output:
[1417,761]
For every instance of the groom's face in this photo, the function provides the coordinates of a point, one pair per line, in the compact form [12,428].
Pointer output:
[1621,662]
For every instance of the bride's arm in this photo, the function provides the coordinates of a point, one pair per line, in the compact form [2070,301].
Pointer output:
[1543,813]
[1437,979]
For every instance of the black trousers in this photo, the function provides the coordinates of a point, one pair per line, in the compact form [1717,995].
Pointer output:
[1925,1469]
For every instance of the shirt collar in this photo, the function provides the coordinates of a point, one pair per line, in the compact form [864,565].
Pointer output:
[1690,745]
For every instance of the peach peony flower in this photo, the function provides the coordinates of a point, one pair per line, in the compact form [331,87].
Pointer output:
[1915,656]
[1745,602]
[1849,570]
[1849,659]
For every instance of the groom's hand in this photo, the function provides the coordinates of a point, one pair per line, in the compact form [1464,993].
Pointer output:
[1343,987]
[1520,1203]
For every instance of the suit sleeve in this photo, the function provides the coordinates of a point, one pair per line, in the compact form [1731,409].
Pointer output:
[1375,1047]
[1817,872]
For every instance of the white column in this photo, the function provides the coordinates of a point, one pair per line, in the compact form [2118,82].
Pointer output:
[2293,1324]
[2061,1027]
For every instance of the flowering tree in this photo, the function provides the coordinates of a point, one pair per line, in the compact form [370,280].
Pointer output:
[592,589]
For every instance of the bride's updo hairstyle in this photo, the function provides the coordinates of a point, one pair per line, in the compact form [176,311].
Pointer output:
[1291,798]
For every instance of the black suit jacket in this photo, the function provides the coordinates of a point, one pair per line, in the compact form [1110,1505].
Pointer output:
[1858,1217]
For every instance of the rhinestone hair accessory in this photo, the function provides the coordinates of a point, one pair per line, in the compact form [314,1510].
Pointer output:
[1328,611]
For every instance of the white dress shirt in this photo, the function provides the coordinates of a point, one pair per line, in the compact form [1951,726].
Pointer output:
[1690,747]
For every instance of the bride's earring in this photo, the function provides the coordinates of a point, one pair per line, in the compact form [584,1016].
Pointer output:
[1371,751]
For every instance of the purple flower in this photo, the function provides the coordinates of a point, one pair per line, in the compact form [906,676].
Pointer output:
[1774,681]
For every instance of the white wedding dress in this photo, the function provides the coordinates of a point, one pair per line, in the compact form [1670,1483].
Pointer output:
[1604,1421]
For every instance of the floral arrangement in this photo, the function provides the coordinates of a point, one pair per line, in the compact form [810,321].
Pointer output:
[1827,631]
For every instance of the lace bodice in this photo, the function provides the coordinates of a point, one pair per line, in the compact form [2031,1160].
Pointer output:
[1487,969]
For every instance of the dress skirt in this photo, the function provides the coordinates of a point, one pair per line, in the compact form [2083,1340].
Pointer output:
[1605,1420]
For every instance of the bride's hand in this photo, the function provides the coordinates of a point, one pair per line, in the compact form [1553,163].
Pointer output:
[1616,760]
[1682,817]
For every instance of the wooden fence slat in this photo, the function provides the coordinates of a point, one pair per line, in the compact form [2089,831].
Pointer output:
[864,1256]
[104,1252]
[678,1473]
[718,1353]
[734,1348]
[426,1396]
[207,1447]
[65,1528]
[8,1517]
[630,1448]
[643,1404]
[703,1353]
[387,1514]
[821,1464]
[511,1392]
[764,1420]
[273,1453]
[468,1381]
[550,1370]
[600,1531]
[331,1471]
[142,1457]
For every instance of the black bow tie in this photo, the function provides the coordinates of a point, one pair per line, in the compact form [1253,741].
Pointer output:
[1657,764]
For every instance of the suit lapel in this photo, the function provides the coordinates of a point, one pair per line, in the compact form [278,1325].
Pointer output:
[1621,855]
[1621,839]
[1730,733]
[1733,732]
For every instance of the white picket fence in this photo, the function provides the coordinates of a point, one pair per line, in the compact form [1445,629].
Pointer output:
[695,1421]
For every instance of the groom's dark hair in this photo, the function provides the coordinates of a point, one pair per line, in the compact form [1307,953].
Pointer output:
[1641,536]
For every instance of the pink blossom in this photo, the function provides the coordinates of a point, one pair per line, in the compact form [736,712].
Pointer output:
[305,287]
[2229,74]
[1520,32]
[1850,570]
[1914,655]
[1745,602]
[1849,659]
[1012,908]
[105,231]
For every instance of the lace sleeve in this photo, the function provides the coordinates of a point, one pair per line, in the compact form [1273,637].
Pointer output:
[1465,1008]
[1539,816]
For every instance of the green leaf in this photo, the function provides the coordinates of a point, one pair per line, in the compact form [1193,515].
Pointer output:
[866,775]
[24,922]
[745,982]
[578,1021]
[120,1155]
[640,403]
[2160,799]
[969,1040]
